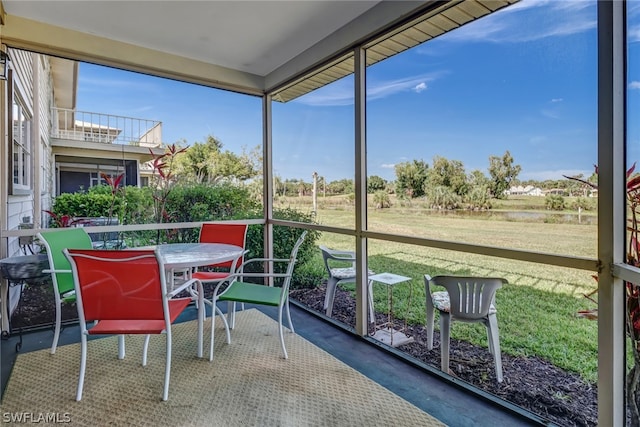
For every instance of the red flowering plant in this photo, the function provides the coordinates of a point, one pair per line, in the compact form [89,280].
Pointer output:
[164,181]
[632,289]
[61,221]
[114,183]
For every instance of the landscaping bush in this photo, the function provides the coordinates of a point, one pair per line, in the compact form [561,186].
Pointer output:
[195,203]
[283,239]
[554,202]
[86,204]
[381,199]
[442,197]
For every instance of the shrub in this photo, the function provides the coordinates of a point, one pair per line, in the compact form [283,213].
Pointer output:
[195,203]
[442,197]
[381,199]
[202,202]
[283,237]
[554,202]
[582,203]
[478,198]
[86,204]
[308,275]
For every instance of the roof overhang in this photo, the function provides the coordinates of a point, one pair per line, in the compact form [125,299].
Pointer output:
[65,81]
[72,148]
[252,47]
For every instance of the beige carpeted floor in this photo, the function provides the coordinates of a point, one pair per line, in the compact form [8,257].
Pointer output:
[247,384]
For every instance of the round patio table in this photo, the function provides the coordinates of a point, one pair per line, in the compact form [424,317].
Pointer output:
[18,271]
[187,255]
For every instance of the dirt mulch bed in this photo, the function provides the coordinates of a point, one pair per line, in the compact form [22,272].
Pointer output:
[529,382]
[532,383]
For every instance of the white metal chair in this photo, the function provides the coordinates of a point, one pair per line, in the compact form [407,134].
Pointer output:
[261,294]
[467,299]
[335,261]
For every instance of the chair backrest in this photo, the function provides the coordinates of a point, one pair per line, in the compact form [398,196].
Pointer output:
[293,258]
[294,252]
[55,242]
[118,285]
[337,256]
[233,234]
[470,297]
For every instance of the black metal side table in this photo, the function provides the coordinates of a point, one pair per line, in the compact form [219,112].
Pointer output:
[18,271]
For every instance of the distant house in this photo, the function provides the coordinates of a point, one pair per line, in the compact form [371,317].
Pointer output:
[528,190]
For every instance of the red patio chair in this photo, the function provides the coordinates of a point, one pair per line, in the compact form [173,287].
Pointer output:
[125,292]
[232,234]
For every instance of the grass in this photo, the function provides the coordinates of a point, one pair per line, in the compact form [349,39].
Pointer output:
[536,310]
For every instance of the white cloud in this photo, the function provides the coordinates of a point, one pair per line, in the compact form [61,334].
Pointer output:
[557,100]
[340,93]
[552,114]
[634,33]
[507,24]
[383,89]
[634,85]
[420,87]
[388,165]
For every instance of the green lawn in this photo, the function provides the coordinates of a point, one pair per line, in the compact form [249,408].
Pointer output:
[536,310]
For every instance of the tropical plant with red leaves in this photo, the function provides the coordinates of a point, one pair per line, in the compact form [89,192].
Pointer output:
[164,181]
[632,289]
[62,221]
[114,183]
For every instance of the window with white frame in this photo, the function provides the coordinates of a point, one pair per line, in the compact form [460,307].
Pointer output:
[21,143]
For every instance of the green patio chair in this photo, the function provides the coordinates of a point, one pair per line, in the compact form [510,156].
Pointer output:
[261,294]
[63,288]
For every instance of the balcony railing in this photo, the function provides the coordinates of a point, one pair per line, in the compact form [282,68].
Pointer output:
[105,128]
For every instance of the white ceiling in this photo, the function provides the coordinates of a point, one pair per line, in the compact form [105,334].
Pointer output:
[255,37]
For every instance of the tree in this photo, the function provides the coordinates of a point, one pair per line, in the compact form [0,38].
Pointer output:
[411,177]
[502,172]
[375,183]
[477,178]
[341,186]
[208,163]
[448,173]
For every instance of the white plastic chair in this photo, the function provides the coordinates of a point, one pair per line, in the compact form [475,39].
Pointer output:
[467,299]
[338,275]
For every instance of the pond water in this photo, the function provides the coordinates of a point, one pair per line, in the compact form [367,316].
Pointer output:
[523,216]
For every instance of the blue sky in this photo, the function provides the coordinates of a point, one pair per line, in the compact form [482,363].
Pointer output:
[523,79]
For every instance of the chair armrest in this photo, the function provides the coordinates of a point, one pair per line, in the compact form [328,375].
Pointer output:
[232,278]
[342,254]
[279,275]
[185,286]
[263,260]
